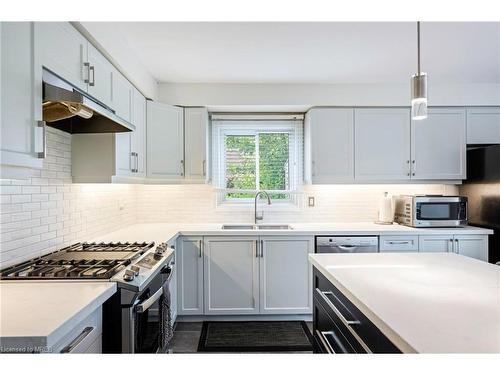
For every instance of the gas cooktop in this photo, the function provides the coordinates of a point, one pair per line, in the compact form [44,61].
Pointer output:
[79,261]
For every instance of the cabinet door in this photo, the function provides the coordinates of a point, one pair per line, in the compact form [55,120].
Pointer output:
[438,145]
[63,50]
[435,244]
[122,94]
[382,144]
[329,138]
[139,135]
[483,125]
[165,141]
[19,139]
[195,142]
[189,259]
[100,76]
[285,275]
[124,158]
[474,246]
[231,276]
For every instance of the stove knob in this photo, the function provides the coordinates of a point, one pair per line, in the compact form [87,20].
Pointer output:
[128,275]
[135,269]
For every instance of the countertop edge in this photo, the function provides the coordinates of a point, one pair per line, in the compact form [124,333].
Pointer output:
[395,338]
[66,326]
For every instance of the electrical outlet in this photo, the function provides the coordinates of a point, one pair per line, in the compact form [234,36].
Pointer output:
[310,202]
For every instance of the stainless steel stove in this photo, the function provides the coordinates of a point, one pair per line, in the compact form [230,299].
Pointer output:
[137,318]
[79,261]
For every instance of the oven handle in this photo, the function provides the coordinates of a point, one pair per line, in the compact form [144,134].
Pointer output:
[140,308]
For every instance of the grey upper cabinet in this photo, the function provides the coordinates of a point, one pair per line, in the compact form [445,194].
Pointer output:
[329,145]
[165,141]
[21,138]
[483,125]
[438,145]
[382,149]
[63,50]
[122,93]
[231,275]
[284,267]
[195,143]
[100,73]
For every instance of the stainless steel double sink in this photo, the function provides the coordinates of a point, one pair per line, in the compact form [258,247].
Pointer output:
[256,227]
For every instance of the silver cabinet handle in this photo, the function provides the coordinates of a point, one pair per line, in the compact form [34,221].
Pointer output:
[325,342]
[140,308]
[414,163]
[87,65]
[41,132]
[92,69]
[450,245]
[256,244]
[136,162]
[204,166]
[73,344]
[182,167]
[200,243]
[457,246]
[132,162]
[262,248]
[347,322]
[399,242]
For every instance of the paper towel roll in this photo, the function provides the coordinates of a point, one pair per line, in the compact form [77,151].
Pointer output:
[385,212]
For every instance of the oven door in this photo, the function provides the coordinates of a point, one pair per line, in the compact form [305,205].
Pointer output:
[151,316]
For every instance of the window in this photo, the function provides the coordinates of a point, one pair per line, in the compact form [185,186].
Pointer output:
[254,154]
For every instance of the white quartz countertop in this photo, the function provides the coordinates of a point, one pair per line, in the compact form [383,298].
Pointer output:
[40,313]
[423,302]
[164,232]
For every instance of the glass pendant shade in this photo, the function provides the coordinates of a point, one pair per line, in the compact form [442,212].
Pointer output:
[419,96]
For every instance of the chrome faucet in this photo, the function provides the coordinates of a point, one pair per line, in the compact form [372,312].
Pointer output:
[257,217]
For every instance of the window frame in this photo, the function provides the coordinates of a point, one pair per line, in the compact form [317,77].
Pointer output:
[253,128]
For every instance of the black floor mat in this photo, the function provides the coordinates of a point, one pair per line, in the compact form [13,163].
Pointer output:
[255,336]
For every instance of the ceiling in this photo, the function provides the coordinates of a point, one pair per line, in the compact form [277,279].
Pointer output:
[336,52]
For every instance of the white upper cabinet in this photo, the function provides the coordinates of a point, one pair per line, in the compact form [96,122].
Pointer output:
[195,143]
[122,93]
[382,150]
[139,135]
[100,73]
[329,145]
[165,141]
[63,50]
[438,145]
[483,125]
[21,138]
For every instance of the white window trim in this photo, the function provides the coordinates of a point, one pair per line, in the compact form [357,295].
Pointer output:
[220,129]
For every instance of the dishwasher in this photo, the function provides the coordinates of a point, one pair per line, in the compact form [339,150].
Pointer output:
[342,244]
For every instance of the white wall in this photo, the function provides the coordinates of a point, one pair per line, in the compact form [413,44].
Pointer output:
[45,212]
[213,94]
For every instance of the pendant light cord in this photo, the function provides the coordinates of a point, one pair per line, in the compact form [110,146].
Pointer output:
[418,47]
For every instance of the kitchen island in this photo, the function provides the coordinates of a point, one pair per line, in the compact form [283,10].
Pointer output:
[420,303]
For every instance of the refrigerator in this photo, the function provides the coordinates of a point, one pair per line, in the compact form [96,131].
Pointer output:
[482,187]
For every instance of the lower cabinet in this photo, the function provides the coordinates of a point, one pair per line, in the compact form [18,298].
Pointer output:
[244,275]
[189,264]
[474,246]
[285,275]
[231,275]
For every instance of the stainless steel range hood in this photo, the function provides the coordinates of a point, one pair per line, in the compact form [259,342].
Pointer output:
[67,108]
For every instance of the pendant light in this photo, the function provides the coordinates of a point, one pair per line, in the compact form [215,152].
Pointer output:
[418,88]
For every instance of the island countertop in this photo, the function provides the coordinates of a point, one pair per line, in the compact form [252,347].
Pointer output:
[422,302]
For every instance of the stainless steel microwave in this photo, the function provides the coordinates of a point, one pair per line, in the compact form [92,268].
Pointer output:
[430,211]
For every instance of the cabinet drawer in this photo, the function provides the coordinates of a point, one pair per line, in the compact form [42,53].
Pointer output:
[398,243]
[83,335]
